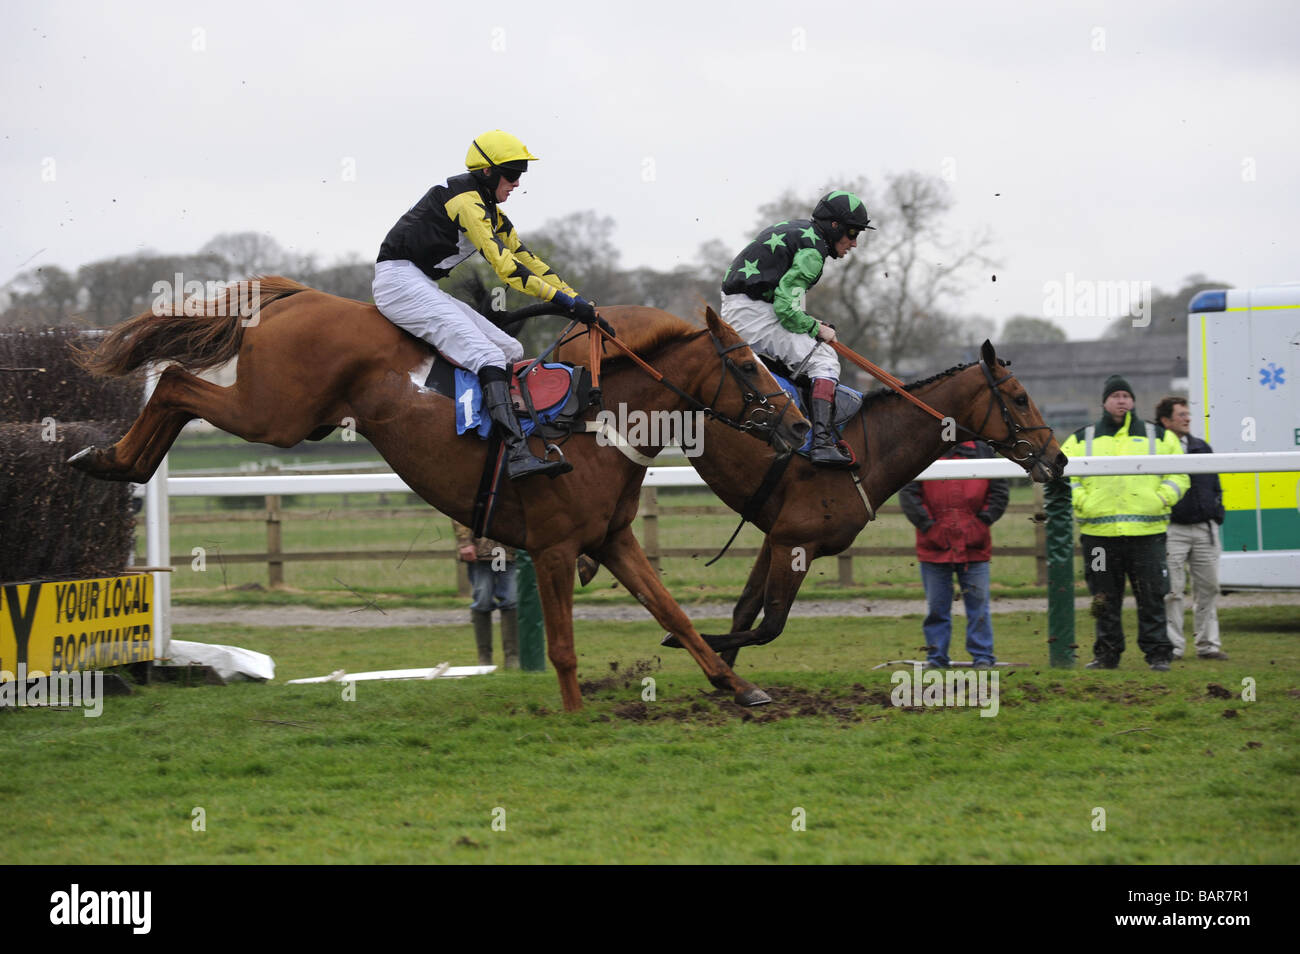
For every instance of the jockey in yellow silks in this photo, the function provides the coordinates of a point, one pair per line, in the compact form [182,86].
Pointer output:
[449,224]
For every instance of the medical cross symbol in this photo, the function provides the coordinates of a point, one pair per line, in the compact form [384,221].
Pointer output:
[1271,376]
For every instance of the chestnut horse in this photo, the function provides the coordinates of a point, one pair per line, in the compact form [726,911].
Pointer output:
[813,511]
[308,361]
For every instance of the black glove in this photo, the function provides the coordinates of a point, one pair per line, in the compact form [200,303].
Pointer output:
[985,517]
[606,327]
[583,310]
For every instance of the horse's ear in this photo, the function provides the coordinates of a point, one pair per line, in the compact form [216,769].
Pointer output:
[988,356]
[712,320]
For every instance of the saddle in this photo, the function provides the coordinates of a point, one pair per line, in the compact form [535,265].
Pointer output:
[847,401]
[559,393]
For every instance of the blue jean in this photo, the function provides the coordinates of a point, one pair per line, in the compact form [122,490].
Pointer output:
[974,581]
[493,589]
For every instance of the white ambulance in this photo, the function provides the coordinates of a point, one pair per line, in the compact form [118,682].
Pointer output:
[1243,367]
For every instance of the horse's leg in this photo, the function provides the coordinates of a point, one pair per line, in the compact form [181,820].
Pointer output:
[775,592]
[750,602]
[779,592]
[180,397]
[555,567]
[141,449]
[588,567]
[627,561]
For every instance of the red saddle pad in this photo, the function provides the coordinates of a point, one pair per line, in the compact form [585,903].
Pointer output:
[546,386]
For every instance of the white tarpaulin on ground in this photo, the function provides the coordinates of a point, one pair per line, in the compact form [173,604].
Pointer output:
[441,671]
[226,661]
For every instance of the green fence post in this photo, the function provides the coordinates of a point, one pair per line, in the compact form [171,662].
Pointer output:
[532,634]
[1059,511]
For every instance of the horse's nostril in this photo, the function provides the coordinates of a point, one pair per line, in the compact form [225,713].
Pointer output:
[801,429]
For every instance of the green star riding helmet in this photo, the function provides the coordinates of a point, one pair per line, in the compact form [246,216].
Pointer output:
[495,154]
[847,211]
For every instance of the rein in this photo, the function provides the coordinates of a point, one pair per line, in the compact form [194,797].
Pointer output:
[1010,443]
[751,393]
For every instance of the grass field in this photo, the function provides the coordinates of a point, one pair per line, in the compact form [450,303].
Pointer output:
[418,772]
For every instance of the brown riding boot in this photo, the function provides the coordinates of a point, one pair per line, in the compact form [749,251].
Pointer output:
[510,637]
[483,636]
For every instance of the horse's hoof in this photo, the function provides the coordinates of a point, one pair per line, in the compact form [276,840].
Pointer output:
[753,696]
[671,641]
[587,569]
[84,459]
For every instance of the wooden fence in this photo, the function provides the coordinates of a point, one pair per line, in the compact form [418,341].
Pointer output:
[651,511]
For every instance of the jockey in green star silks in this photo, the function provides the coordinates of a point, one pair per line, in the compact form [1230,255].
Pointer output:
[763,300]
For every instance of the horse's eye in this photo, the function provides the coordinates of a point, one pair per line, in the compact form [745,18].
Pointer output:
[1022,400]
[749,367]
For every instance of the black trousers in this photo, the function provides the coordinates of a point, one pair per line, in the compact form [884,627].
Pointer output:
[1108,562]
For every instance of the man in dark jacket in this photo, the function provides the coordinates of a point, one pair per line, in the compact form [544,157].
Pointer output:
[952,520]
[1193,541]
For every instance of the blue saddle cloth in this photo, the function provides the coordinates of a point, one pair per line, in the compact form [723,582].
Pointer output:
[847,403]
[471,415]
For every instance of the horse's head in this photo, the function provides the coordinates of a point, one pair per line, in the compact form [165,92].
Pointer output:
[748,393]
[1017,431]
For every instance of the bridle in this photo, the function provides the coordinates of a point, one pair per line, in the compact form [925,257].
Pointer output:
[1010,444]
[762,421]
[763,405]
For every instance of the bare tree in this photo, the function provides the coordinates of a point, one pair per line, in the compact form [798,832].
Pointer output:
[247,254]
[41,297]
[1168,315]
[580,247]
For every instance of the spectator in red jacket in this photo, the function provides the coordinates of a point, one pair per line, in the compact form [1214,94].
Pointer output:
[952,520]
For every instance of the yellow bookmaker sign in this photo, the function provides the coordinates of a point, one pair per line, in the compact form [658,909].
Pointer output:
[77,624]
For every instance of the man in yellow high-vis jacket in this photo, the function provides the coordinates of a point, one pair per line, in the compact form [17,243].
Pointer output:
[1122,523]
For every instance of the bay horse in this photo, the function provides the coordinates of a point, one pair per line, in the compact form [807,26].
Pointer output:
[309,360]
[813,511]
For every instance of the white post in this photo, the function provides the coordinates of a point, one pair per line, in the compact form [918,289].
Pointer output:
[158,550]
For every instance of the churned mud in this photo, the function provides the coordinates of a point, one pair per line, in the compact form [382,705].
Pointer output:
[717,707]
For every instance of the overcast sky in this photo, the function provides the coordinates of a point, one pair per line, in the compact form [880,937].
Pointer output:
[1130,141]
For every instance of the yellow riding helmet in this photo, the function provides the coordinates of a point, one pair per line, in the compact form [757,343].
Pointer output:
[495,148]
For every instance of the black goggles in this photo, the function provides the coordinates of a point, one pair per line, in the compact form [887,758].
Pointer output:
[511,171]
[852,232]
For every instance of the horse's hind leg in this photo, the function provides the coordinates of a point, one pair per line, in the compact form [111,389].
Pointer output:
[785,575]
[141,449]
[773,584]
[749,604]
[179,398]
[627,561]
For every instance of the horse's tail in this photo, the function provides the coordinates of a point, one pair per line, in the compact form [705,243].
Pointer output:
[196,335]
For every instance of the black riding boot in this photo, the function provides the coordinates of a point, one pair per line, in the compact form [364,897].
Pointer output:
[520,461]
[825,451]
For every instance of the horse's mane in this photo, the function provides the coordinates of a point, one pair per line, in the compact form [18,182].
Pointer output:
[647,337]
[870,398]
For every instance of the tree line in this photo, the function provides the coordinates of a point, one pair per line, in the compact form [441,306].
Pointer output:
[892,298]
